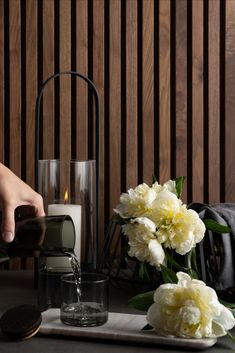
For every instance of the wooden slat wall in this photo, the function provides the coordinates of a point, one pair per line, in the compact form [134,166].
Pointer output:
[165,72]
[163,113]
[197,111]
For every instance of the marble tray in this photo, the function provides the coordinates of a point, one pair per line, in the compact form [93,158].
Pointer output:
[120,327]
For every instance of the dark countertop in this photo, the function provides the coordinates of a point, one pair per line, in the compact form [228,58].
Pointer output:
[17,287]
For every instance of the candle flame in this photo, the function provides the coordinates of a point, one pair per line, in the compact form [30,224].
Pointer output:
[66,196]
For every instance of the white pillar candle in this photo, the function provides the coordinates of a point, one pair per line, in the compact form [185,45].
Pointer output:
[74,211]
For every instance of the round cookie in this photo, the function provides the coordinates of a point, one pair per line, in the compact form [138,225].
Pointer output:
[21,322]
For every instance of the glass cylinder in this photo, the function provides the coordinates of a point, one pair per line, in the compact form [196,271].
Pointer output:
[69,188]
[88,307]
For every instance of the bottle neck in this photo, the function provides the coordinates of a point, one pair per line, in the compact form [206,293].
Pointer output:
[45,236]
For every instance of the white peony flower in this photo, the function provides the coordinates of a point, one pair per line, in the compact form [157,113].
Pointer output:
[164,207]
[157,187]
[136,202]
[143,243]
[189,309]
[182,232]
[156,253]
[169,185]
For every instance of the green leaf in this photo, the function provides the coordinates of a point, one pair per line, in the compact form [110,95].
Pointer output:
[168,275]
[143,271]
[179,182]
[154,179]
[231,337]
[172,262]
[191,261]
[228,305]
[141,301]
[147,328]
[119,220]
[216,227]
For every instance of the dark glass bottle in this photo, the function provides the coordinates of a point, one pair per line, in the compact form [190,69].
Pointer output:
[51,240]
[45,236]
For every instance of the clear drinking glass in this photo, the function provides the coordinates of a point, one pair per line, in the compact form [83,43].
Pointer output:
[86,304]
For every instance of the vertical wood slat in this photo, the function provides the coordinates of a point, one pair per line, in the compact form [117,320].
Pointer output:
[121,55]
[230,102]
[82,67]
[48,70]
[115,102]
[214,102]
[15,91]
[147,89]
[65,81]
[181,89]
[197,101]
[14,96]
[98,78]
[164,91]
[131,94]
[31,86]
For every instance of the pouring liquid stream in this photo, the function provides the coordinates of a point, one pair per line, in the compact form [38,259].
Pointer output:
[76,269]
[83,311]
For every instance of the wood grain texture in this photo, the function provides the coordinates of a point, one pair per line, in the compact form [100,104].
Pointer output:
[131,98]
[65,81]
[164,89]
[14,91]
[81,51]
[214,102]
[30,87]
[166,83]
[230,101]
[14,97]
[114,103]
[48,70]
[181,65]
[148,90]
[197,102]
[98,78]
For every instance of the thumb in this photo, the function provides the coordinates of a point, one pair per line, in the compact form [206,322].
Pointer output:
[8,224]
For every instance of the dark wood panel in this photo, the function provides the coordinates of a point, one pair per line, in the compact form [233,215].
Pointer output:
[98,77]
[15,89]
[181,113]
[131,97]
[30,87]
[114,103]
[48,67]
[164,91]
[14,96]
[197,102]
[82,67]
[148,90]
[65,80]
[214,102]
[230,101]
[166,84]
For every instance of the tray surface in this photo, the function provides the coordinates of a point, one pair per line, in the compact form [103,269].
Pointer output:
[119,327]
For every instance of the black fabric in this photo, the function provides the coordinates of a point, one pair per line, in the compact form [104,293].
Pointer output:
[216,251]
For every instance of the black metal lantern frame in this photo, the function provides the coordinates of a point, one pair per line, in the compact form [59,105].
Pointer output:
[94,91]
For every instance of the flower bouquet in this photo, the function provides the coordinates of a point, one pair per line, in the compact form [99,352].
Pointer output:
[159,229]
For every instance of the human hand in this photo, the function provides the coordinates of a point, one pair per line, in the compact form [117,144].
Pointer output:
[13,194]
